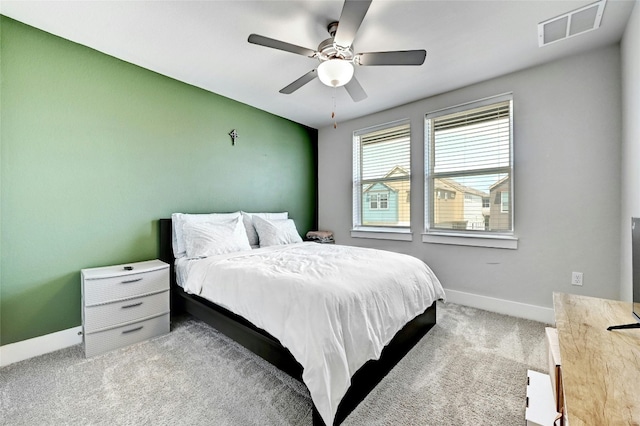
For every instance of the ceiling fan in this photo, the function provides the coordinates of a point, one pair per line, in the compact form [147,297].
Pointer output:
[336,55]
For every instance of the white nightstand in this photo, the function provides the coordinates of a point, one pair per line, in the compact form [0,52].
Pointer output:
[124,304]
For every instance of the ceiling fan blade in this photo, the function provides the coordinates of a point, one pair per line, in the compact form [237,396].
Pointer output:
[281,45]
[400,57]
[352,15]
[356,91]
[299,82]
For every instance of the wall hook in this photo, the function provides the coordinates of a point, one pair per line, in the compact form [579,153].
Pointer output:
[234,136]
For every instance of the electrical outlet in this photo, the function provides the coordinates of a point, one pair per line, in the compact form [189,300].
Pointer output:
[576,278]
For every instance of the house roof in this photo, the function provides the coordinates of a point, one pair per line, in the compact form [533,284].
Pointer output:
[459,187]
[395,170]
[500,182]
[373,185]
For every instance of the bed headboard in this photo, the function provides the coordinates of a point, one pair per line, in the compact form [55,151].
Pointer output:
[166,247]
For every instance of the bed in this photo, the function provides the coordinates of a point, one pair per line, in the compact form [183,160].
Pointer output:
[345,379]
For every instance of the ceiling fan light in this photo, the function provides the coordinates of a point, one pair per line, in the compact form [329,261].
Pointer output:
[335,72]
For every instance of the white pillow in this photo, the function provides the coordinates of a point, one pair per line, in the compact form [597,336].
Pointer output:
[276,232]
[208,239]
[251,230]
[178,221]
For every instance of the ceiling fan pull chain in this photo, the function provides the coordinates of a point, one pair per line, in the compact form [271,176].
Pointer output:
[333,113]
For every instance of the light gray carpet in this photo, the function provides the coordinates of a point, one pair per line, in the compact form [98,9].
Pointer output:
[469,370]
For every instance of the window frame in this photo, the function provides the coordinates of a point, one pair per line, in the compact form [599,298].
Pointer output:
[401,233]
[496,239]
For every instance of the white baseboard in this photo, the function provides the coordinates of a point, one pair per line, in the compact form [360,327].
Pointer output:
[502,306]
[30,348]
[41,345]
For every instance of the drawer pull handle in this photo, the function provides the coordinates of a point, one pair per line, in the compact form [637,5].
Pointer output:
[132,330]
[132,281]
[132,305]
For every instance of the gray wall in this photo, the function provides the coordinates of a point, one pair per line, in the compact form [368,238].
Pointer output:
[630,48]
[567,144]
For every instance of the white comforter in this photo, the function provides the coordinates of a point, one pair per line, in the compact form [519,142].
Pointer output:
[334,307]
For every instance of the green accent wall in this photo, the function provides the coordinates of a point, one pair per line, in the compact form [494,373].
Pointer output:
[94,150]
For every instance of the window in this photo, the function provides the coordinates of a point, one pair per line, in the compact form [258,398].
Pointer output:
[373,202]
[504,202]
[468,157]
[381,177]
[384,201]
[378,201]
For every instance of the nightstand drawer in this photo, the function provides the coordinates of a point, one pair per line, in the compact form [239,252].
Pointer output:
[103,341]
[102,316]
[105,290]
[124,304]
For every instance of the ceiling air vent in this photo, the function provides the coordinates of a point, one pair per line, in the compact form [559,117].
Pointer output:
[571,24]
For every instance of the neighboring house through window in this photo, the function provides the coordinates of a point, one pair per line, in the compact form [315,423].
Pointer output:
[469,169]
[381,177]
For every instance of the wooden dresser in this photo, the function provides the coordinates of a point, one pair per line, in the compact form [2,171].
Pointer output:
[124,304]
[600,369]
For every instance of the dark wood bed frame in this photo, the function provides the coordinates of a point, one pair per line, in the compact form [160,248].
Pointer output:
[268,347]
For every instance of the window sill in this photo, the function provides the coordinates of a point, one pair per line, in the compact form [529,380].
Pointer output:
[490,241]
[383,234]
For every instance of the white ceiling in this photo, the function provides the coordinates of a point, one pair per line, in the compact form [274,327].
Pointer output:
[204,43]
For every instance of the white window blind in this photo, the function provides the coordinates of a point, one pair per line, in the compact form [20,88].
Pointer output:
[469,158]
[381,176]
